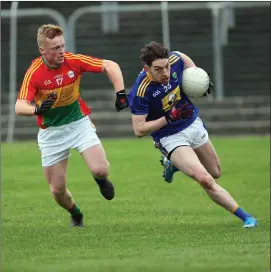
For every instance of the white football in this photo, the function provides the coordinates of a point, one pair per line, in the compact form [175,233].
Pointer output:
[195,82]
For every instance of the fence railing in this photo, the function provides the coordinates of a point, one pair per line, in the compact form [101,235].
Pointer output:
[222,20]
[13,13]
[164,7]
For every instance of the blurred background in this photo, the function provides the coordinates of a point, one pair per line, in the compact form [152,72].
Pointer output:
[231,40]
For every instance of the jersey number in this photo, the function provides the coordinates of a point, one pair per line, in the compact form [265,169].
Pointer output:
[167,87]
[59,81]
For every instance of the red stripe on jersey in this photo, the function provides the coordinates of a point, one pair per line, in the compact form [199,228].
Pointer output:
[40,119]
[84,107]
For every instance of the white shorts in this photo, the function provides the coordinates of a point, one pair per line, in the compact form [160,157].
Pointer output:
[195,136]
[55,142]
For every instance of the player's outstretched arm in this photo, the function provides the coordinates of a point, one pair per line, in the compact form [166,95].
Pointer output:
[143,128]
[114,74]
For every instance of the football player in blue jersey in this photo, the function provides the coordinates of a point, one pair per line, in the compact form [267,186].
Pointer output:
[161,109]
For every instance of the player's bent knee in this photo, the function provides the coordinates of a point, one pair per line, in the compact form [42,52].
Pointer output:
[205,180]
[217,172]
[100,170]
[58,191]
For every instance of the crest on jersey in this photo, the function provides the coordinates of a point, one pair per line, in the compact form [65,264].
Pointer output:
[172,98]
[70,74]
[174,75]
[169,100]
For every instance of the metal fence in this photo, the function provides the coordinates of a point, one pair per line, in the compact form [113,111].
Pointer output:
[222,19]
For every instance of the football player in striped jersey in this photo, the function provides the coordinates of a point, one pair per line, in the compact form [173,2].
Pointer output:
[52,81]
[161,109]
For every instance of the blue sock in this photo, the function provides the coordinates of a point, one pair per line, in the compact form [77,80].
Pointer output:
[240,213]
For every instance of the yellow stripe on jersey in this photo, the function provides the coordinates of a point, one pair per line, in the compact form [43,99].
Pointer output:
[90,59]
[87,60]
[173,59]
[143,86]
[79,57]
[28,75]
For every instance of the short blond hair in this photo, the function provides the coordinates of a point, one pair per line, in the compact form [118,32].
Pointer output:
[48,31]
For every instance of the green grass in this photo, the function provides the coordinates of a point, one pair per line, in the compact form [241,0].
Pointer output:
[149,226]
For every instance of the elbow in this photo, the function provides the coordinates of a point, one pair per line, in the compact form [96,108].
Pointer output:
[112,63]
[17,109]
[139,134]
[18,112]
[109,65]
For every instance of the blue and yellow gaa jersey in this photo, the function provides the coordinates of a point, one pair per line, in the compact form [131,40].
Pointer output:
[155,99]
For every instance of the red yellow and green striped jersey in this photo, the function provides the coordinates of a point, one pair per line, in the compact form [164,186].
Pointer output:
[41,80]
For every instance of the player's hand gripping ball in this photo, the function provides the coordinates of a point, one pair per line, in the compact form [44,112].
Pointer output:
[196,82]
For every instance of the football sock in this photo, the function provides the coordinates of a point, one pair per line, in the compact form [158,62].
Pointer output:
[239,212]
[74,210]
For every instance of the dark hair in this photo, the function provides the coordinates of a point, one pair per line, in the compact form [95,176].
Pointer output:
[153,51]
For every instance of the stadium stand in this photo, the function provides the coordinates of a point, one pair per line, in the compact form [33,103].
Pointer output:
[246,65]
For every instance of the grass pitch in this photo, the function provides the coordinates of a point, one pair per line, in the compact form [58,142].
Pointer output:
[150,226]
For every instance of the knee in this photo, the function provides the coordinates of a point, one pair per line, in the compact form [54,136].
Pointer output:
[205,180]
[57,184]
[100,170]
[58,191]
[217,172]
